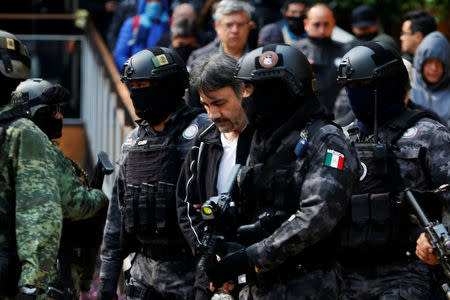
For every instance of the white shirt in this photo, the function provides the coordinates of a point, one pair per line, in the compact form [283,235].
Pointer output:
[227,161]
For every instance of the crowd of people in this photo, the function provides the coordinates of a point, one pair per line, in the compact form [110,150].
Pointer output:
[270,160]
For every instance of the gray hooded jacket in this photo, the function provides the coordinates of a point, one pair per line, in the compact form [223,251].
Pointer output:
[434,96]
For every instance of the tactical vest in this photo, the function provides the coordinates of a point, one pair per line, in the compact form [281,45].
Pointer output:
[152,169]
[10,267]
[377,224]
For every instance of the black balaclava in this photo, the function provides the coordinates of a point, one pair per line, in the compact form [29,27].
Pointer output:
[270,104]
[366,36]
[295,25]
[44,119]
[390,102]
[155,103]
[8,86]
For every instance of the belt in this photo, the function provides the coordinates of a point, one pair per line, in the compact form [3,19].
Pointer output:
[146,293]
[167,253]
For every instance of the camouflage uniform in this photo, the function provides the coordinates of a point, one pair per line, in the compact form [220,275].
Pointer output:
[167,278]
[297,260]
[423,158]
[29,179]
[37,169]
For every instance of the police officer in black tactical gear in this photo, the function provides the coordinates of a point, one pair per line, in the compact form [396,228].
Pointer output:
[303,172]
[399,148]
[142,214]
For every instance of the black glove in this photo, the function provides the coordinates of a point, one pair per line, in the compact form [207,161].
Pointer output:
[57,94]
[229,267]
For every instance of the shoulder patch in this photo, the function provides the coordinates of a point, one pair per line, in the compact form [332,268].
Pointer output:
[190,132]
[410,133]
[334,159]
[129,141]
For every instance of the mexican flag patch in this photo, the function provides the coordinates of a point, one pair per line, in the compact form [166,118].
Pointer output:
[334,159]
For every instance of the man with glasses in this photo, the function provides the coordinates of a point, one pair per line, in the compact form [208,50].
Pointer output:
[232,24]
[416,25]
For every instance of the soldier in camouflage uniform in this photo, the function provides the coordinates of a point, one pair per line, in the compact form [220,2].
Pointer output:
[399,147]
[303,172]
[32,185]
[43,101]
[28,201]
[142,216]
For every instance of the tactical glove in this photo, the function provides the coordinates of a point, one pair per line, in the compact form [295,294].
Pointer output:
[229,267]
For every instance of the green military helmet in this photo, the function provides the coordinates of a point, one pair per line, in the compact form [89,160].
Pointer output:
[14,57]
[35,93]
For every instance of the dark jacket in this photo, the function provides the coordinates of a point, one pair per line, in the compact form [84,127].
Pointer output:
[325,57]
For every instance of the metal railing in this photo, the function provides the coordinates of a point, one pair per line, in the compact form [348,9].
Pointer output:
[106,110]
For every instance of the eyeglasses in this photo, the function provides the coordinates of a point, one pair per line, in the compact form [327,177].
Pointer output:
[405,33]
[229,26]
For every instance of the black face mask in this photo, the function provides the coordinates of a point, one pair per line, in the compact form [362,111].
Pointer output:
[154,104]
[44,119]
[321,41]
[295,25]
[366,36]
[8,86]
[269,105]
[184,51]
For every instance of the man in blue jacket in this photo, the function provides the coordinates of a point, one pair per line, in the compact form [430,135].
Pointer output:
[141,31]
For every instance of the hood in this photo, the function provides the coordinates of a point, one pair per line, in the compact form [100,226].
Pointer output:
[434,45]
[141,6]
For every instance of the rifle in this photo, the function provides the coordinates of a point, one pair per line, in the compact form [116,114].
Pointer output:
[102,168]
[437,234]
[84,236]
[214,212]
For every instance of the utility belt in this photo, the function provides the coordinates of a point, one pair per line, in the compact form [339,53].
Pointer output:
[167,253]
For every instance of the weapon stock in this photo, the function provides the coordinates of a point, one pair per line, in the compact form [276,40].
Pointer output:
[213,212]
[102,168]
[437,235]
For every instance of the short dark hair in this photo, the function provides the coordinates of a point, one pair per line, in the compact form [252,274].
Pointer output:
[214,72]
[421,21]
[183,28]
[286,3]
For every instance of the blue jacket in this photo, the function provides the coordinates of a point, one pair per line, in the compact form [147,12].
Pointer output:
[129,42]
[433,96]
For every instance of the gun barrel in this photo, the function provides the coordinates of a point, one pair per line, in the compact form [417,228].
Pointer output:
[418,210]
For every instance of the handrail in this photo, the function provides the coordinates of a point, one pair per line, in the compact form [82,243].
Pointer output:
[111,71]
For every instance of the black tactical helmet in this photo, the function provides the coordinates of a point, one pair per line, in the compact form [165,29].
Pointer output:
[278,62]
[155,63]
[372,61]
[14,57]
[35,93]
